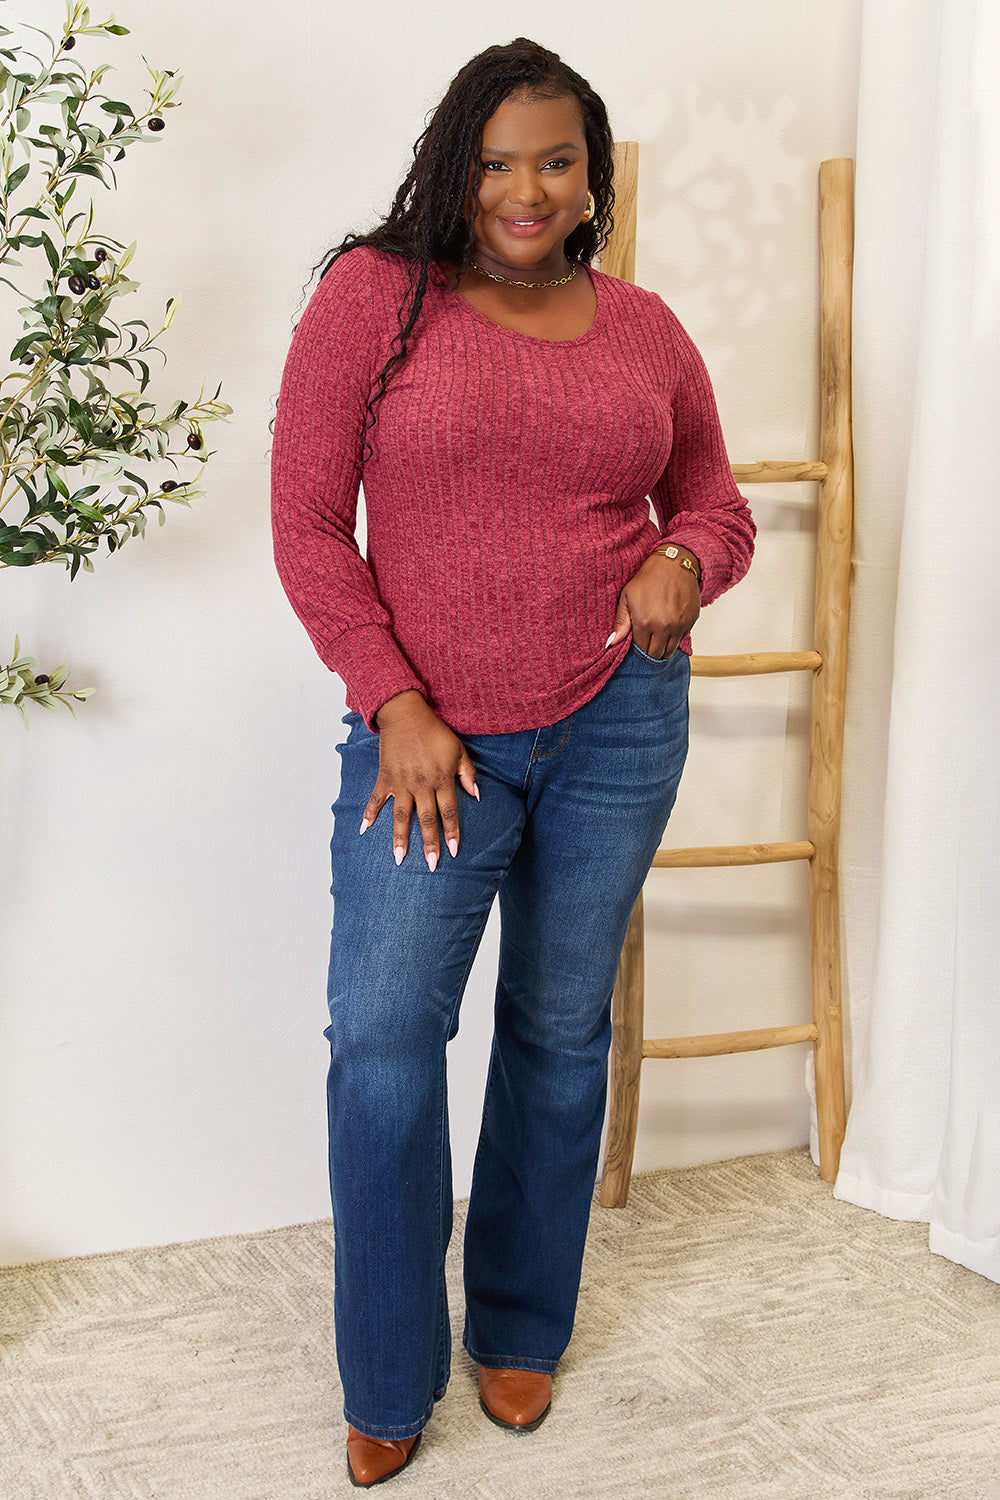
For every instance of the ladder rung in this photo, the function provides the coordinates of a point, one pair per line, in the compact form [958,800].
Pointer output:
[780,470]
[755,663]
[731,854]
[729,1041]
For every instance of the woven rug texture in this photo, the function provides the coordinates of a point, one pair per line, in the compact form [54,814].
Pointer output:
[741,1335]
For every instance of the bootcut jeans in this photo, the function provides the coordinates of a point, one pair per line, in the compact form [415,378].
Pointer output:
[569,819]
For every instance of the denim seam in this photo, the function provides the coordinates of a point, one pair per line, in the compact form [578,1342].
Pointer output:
[479,1146]
[529,769]
[390,1434]
[439,1353]
[486,1100]
[511,1361]
[441,1362]
[535,757]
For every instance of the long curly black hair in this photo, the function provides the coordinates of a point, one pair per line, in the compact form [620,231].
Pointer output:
[426,222]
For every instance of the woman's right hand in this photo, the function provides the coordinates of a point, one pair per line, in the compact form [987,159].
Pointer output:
[419,758]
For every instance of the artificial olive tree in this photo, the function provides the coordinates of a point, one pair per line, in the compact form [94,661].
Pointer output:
[85,453]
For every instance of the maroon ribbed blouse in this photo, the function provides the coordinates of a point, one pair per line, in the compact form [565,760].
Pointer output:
[505,495]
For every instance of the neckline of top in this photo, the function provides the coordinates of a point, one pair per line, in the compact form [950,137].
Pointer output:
[440,281]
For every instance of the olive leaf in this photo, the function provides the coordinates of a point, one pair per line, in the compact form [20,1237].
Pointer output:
[20,686]
[86,453]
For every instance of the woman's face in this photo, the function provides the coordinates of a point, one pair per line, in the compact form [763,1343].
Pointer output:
[534,188]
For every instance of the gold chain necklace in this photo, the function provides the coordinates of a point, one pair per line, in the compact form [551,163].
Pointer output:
[508,281]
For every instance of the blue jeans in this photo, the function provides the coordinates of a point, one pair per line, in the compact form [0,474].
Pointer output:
[570,817]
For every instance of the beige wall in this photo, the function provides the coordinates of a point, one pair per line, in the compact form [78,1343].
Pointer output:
[164,907]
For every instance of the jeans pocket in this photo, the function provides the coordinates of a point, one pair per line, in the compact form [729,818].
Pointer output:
[654,661]
[357,734]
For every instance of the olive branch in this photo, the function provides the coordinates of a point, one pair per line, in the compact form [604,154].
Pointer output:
[78,432]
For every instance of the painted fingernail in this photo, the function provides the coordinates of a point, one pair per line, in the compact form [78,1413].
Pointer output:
[475,793]
[453,847]
[365,823]
[399,854]
[610,638]
[432,860]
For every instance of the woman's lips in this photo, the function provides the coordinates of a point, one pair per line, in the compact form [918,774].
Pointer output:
[524,228]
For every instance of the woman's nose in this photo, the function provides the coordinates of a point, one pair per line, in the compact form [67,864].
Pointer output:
[526,188]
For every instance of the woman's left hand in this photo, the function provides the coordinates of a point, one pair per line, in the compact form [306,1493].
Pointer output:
[659,604]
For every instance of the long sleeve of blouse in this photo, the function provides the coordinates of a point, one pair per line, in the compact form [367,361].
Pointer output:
[720,533]
[507,482]
[339,347]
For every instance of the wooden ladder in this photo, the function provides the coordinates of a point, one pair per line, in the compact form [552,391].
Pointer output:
[827,662]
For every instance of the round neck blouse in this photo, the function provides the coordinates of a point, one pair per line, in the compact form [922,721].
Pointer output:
[592,332]
[507,482]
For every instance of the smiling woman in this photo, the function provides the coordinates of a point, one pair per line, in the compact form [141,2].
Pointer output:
[534,191]
[511,412]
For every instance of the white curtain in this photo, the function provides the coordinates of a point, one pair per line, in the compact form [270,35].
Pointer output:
[922,863]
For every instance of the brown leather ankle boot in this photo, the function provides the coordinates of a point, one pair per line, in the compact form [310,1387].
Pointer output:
[516,1399]
[371,1460]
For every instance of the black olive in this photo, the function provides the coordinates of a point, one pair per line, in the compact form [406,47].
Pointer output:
[156,123]
[93,283]
[43,678]
[100,253]
[77,284]
[195,440]
[168,485]
[68,46]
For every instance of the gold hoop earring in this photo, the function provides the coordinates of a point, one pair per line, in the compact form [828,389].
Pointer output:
[590,210]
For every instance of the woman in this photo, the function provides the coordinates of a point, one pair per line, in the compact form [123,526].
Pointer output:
[510,411]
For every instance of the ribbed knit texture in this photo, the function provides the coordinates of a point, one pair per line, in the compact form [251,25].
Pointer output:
[506,494]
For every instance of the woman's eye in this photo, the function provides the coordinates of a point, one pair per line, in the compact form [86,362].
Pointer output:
[558,163]
[494,166]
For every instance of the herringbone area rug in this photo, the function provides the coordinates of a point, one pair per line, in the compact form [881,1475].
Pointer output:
[741,1336]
